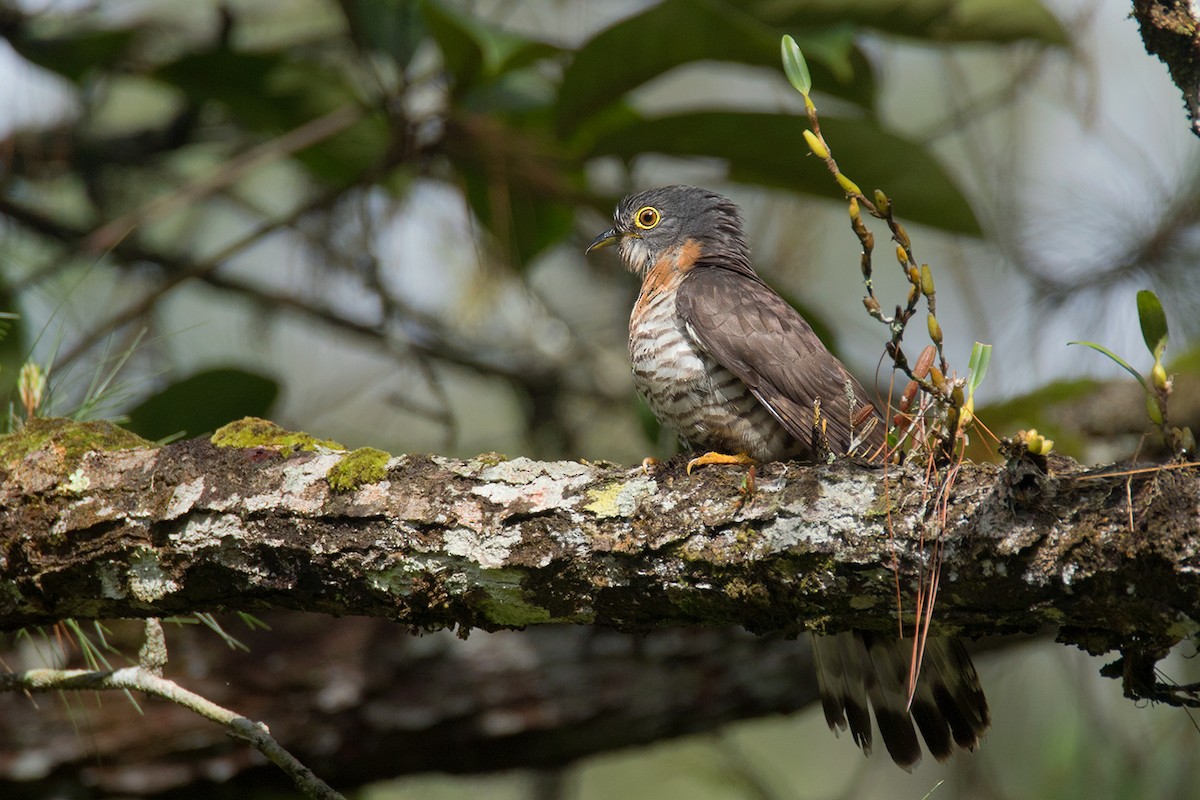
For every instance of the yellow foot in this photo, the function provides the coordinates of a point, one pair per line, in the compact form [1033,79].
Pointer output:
[718,458]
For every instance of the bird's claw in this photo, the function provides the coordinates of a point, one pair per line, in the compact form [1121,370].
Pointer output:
[718,458]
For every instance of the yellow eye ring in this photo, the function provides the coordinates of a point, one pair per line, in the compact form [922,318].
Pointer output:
[647,217]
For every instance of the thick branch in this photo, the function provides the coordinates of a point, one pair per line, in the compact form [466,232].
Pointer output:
[494,543]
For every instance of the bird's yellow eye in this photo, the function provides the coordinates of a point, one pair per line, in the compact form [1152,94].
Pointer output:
[646,217]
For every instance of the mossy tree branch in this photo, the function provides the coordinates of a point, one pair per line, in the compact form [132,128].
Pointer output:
[94,524]
[1109,560]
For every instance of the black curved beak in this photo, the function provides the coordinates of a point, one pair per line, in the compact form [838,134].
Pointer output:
[606,239]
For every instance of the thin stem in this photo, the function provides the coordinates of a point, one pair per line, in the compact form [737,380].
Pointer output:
[142,680]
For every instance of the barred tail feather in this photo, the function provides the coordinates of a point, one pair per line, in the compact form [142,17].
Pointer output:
[948,707]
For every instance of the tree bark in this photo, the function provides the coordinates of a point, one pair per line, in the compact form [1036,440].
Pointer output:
[1171,31]
[491,543]
[1106,557]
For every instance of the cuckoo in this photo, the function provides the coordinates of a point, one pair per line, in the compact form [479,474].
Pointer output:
[742,378]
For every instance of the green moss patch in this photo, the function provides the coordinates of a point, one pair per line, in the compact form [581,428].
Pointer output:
[255,432]
[505,604]
[490,459]
[364,465]
[68,438]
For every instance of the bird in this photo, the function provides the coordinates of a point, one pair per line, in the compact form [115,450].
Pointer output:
[742,378]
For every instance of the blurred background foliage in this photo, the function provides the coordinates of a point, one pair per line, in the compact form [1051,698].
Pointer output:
[365,219]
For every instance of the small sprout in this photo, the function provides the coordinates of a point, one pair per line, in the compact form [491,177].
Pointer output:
[749,487]
[1154,331]
[853,209]
[935,330]
[913,275]
[1186,439]
[927,281]
[1153,409]
[1035,443]
[1158,377]
[795,67]
[902,256]
[848,186]
[967,414]
[882,203]
[31,386]
[977,367]
[816,145]
[956,395]
[939,380]
[1153,321]
[901,236]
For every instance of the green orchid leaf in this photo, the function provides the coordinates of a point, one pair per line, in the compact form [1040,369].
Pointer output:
[1099,348]
[1154,323]
[977,367]
[795,67]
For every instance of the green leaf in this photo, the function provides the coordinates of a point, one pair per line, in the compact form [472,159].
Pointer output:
[462,55]
[981,356]
[795,67]
[767,149]
[239,81]
[1117,359]
[270,93]
[473,51]
[393,27]
[78,54]
[202,403]
[1154,323]
[995,21]
[677,32]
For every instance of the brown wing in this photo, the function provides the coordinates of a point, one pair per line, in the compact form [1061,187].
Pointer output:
[762,340]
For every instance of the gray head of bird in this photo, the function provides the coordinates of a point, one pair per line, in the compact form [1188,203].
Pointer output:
[655,222]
